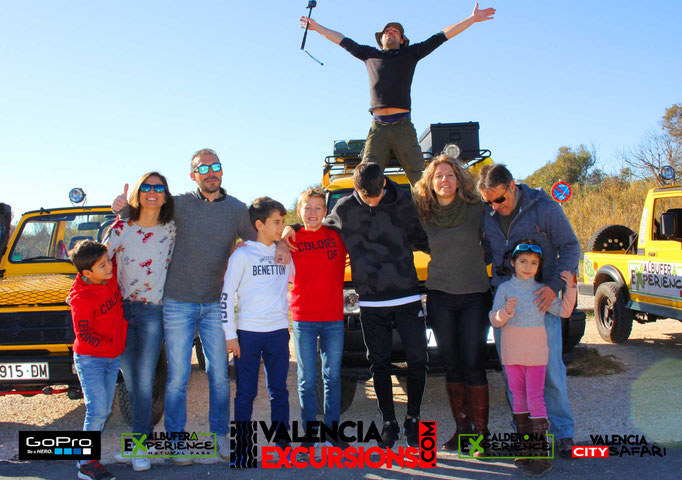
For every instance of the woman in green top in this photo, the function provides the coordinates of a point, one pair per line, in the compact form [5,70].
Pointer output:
[459,298]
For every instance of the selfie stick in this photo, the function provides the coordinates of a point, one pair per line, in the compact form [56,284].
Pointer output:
[311,4]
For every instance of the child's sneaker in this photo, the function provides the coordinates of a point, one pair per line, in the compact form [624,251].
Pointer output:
[140,464]
[94,470]
[180,458]
[389,434]
[120,458]
[224,447]
[411,427]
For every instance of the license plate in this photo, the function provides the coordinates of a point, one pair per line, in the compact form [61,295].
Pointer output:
[24,371]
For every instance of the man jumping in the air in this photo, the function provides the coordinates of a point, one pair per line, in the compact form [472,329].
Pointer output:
[390,77]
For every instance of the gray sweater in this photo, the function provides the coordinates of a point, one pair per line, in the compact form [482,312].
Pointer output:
[457,265]
[206,234]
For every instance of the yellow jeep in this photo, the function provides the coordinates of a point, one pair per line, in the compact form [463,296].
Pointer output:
[36,333]
[637,276]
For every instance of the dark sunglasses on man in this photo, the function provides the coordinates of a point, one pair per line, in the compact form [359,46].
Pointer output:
[146,187]
[203,169]
[498,200]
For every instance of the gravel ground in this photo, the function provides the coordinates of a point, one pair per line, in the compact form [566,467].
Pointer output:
[644,399]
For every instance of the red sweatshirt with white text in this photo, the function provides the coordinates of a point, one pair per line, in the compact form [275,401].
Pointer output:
[97,314]
[320,263]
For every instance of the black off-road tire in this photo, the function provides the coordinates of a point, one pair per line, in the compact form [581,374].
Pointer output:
[612,317]
[158,392]
[610,238]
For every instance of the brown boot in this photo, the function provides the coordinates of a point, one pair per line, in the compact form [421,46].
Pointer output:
[522,422]
[457,394]
[538,466]
[478,399]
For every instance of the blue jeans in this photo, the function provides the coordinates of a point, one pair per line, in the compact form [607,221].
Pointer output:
[180,320]
[331,352]
[273,348]
[98,380]
[138,362]
[556,391]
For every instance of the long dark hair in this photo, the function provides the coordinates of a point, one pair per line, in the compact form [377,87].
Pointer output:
[506,268]
[166,212]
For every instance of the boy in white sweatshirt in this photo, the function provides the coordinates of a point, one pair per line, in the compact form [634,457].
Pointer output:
[261,329]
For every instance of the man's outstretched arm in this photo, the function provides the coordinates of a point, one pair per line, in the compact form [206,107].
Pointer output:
[476,16]
[330,35]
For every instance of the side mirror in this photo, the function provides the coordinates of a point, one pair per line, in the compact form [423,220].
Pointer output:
[669,225]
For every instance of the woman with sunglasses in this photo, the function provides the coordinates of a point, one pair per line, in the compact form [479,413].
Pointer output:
[458,297]
[523,344]
[142,247]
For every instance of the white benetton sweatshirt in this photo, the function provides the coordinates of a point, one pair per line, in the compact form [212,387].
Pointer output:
[261,288]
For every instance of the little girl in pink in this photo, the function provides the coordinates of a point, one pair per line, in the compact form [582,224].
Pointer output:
[524,342]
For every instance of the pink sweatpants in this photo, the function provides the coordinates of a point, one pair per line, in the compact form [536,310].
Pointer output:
[527,385]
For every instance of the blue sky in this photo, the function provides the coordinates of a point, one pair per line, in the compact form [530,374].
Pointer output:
[93,94]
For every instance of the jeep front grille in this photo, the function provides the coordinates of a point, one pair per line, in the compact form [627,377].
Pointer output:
[35,328]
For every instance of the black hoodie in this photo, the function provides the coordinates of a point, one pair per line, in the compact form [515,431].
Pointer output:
[380,241]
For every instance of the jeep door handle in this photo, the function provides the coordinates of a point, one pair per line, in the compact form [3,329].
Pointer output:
[652,254]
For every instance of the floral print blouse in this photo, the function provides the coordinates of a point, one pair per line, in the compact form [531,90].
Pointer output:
[142,255]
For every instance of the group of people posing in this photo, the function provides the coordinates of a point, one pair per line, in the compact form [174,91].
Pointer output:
[170,259]
[175,262]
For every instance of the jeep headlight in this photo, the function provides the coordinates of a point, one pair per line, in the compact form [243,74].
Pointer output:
[351,302]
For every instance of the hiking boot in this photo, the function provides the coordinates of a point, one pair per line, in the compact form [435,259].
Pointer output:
[94,470]
[457,395]
[390,432]
[541,464]
[411,429]
[478,400]
[522,422]
[566,448]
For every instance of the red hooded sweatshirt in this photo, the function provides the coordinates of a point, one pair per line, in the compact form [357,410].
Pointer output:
[98,322]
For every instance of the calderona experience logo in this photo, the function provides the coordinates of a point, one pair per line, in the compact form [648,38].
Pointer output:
[167,445]
[244,442]
[507,445]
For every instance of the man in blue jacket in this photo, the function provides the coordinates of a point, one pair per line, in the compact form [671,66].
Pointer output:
[515,212]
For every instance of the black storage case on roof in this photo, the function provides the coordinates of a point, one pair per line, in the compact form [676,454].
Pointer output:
[438,135]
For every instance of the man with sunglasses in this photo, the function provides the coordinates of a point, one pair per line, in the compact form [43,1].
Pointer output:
[208,222]
[515,212]
[390,70]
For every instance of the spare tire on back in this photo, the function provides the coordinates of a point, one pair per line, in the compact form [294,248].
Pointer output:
[610,238]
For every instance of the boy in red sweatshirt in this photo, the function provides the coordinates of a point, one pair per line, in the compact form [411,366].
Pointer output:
[100,331]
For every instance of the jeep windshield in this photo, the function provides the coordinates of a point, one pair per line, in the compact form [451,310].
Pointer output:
[51,237]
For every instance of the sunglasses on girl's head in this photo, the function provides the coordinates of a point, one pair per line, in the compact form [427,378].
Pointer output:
[203,169]
[524,247]
[146,187]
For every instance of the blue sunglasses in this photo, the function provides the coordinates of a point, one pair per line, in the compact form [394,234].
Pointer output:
[524,247]
[203,169]
[145,187]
